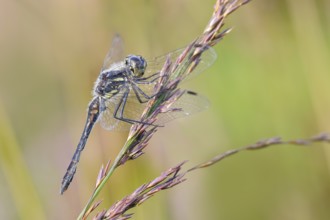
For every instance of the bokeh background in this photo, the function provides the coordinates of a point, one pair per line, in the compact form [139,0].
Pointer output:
[271,78]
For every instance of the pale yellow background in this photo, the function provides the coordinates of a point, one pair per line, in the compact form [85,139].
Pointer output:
[271,78]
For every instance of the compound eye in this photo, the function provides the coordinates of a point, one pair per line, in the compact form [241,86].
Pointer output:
[136,65]
[129,63]
[127,60]
[141,66]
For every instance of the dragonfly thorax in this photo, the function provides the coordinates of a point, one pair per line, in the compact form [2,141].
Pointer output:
[111,81]
[119,75]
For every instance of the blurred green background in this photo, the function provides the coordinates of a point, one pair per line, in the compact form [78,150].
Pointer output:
[271,79]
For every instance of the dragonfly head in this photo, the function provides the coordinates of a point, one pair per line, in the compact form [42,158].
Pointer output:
[136,64]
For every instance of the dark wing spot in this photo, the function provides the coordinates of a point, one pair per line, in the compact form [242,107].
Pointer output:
[191,92]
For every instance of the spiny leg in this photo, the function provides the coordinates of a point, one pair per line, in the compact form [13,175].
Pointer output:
[119,111]
[145,81]
[148,77]
[138,96]
[138,91]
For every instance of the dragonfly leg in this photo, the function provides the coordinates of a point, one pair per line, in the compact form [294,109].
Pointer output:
[119,111]
[143,80]
[138,96]
[139,91]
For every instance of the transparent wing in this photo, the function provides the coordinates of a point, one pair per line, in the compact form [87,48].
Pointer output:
[207,59]
[115,53]
[133,110]
[188,104]
[155,65]
[107,119]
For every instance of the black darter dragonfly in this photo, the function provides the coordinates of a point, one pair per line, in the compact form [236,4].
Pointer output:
[122,90]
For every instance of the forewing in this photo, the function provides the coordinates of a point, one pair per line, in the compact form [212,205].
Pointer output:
[189,103]
[115,53]
[107,119]
[133,110]
[207,59]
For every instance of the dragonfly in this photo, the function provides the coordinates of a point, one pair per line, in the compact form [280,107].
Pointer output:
[123,88]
